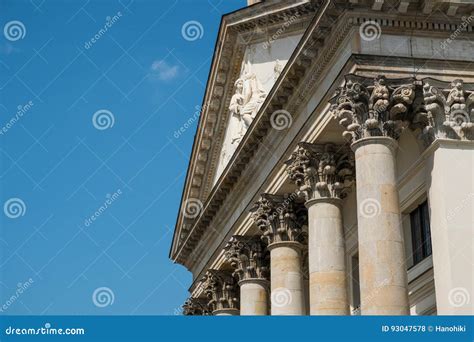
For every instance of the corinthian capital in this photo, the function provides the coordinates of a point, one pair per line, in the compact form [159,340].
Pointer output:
[368,107]
[248,257]
[448,110]
[321,170]
[195,307]
[221,290]
[280,218]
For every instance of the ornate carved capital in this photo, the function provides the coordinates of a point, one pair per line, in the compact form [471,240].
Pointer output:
[248,256]
[322,170]
[221,290]
[195,307]
[280,218]
[368,107]
[448,110]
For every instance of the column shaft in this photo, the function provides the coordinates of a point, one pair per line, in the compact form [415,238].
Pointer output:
[327,270]
[383,272]
[226,312]
[287,296]
[451,201]
[253,297]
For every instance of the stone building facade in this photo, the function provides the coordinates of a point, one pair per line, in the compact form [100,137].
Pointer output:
[332,169]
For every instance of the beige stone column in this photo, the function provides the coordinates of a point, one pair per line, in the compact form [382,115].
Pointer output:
[382,261]
[250,259]
[254,297]
[280,219]
[287,297]
[372,112]
[323,173]
[449,137]
[451,201]
[226,312]
[222,292]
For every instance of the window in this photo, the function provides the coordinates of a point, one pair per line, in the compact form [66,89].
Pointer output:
[355,285]
[420,233]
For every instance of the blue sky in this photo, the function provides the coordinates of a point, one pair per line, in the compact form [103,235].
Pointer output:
[90,201]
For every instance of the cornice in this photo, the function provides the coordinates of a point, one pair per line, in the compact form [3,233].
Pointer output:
[238,29]
[299,76]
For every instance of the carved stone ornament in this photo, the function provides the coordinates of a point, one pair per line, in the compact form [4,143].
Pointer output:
[280,218]
[221,290]
[448,110]
[368,107]
[248,97]
[249,257]
[195,307]
[322,170]
[383,107]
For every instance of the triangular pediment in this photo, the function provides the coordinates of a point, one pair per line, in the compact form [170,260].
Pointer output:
[253,46]
[260,68]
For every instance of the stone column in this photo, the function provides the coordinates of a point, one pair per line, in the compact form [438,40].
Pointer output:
[280,219]
[372,113]
[450,162]
[221,290]
[250,259]
[323,173]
